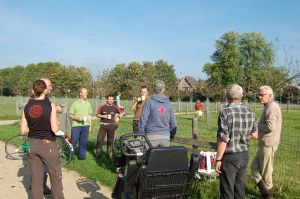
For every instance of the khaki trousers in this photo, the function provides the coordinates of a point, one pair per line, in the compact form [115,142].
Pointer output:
[44,152]
[263,164]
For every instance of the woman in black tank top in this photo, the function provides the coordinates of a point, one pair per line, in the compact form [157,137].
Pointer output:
[40,122]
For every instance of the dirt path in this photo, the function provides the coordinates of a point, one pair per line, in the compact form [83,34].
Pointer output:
[15,181]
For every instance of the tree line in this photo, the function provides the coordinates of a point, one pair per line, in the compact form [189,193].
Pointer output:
[246,59]
[99,79]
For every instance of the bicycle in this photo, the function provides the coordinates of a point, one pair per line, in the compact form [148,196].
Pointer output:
[17,147]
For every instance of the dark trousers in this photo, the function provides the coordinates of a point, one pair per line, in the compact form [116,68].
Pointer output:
[135,126]
[80,134]
[233,176]
[41,153]
[106,129]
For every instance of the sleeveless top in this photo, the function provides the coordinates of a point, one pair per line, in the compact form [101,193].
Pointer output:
[37,114]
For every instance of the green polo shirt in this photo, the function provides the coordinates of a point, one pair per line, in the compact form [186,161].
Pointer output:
[80,109]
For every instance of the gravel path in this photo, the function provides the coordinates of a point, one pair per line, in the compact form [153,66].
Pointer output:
[15,181]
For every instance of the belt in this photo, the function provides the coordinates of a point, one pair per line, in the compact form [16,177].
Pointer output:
[106,123]
[46,141]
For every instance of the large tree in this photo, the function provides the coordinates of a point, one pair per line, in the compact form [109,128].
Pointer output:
[246,59]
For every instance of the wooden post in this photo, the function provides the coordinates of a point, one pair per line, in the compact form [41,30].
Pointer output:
[195,131]
[187,109]
[207,109]
[63,119]
[288,106]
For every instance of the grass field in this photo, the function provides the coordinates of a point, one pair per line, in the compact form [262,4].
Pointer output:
[287,160]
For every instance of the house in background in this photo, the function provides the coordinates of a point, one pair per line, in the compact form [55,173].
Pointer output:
[187,84]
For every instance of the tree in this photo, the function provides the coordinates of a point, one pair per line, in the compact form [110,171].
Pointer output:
[245,59]
[166,73]
[208,90]
[16,81]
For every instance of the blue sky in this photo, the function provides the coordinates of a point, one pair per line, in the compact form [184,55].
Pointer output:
[105,32]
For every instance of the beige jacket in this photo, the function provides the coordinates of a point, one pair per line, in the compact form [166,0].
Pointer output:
[269,127]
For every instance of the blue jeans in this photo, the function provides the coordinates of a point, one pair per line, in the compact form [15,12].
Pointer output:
[80,134]
[233,176]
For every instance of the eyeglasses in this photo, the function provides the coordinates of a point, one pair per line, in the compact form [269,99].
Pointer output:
[260,95]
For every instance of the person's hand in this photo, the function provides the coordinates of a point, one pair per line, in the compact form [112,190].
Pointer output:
[116,119]
[139,99]
[58,109]
[80,119]
[218,167]
[60,133]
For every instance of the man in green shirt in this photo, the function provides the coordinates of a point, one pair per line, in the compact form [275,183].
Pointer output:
[80,113]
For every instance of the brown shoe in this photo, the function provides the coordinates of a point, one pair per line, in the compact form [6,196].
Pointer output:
[265,193]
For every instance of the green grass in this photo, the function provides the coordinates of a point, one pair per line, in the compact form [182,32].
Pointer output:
[287,159]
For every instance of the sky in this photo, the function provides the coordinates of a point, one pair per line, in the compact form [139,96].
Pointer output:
[109,32]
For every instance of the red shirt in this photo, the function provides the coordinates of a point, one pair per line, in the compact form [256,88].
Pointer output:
[199,106]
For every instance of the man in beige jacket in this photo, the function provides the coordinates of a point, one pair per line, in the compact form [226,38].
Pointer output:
[269,129]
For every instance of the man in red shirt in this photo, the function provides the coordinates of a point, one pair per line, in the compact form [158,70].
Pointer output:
[199,108]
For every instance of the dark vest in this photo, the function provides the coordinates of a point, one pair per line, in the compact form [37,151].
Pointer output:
[37,114]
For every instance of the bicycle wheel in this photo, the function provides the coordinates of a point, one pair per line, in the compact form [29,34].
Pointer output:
[16,147]
[64,150]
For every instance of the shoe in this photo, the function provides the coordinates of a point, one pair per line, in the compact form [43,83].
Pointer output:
[109,148]
[265,193]
[47,190]
[98,153]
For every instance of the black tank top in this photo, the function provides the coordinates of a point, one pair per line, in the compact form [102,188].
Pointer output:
[37,114]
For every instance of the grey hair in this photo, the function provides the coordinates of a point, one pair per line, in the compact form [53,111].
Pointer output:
[234,91]
[159,86]
[268,89]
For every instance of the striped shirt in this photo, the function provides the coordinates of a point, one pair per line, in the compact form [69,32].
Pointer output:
[235,124]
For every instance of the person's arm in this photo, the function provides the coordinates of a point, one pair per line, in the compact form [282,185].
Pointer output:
[24,125]
[220,152]
[90,121]
[144,117]
[133,106]
[53,119]
[72,113]
[101,116]
[271,118]
[116,119]
[173,123]
[72,116]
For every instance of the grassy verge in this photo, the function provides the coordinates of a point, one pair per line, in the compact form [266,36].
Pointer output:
[286,175]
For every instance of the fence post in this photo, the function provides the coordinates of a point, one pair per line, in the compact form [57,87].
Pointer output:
[195,131]
[288,106]
[178,105]
[96,103]
[187,109]
[207,109]
[63,119]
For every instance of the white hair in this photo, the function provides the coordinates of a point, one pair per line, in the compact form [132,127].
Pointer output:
[268,89]
[234,91]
